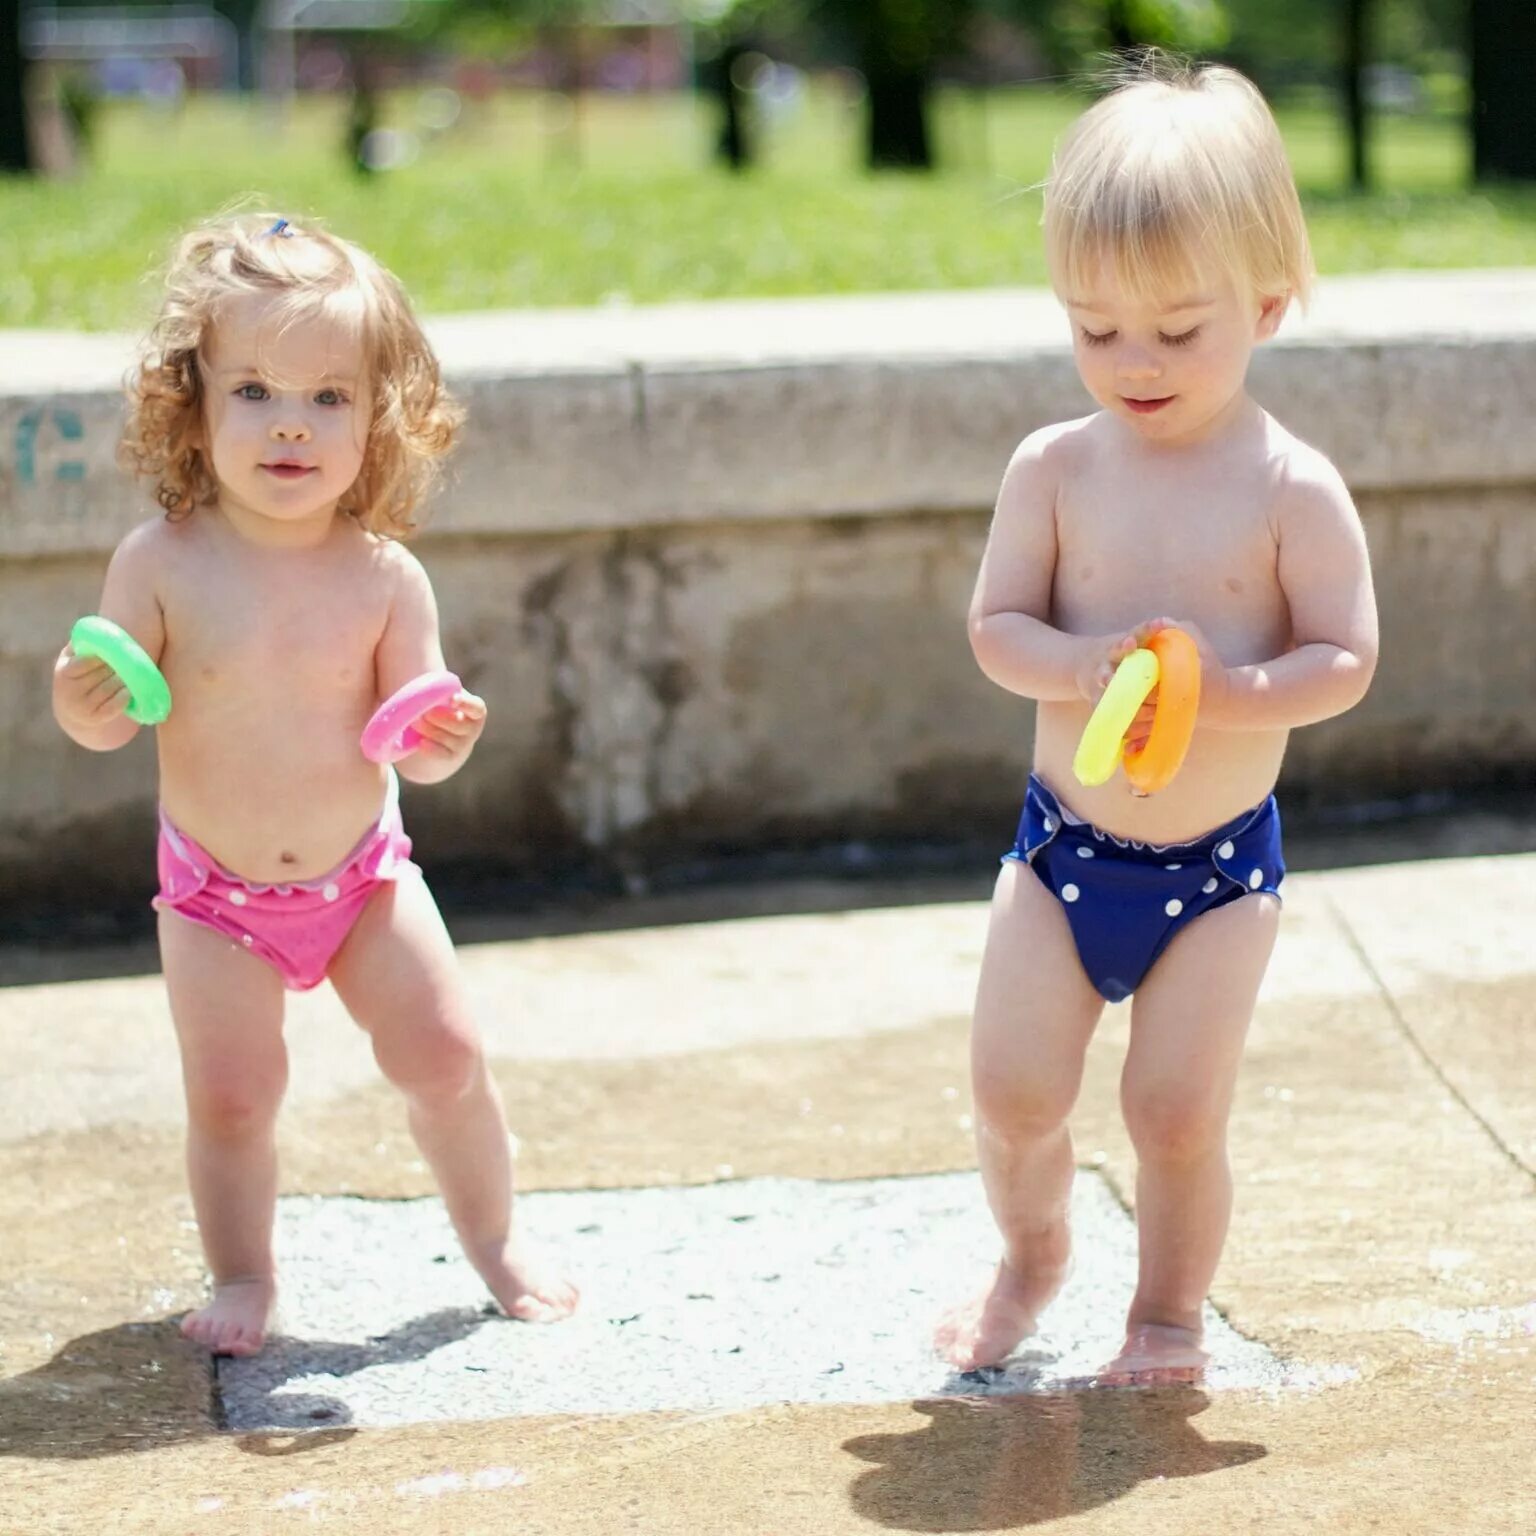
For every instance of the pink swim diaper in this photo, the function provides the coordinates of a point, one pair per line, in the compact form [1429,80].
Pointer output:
[295,928]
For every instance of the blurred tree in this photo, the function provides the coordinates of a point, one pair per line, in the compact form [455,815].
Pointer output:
[900,45]
[362,109]
[1502,48]
[1335,38]
[719,71]
[15,144]
[1354,55]
[725,34]
[1074,29]
[896,45]
[491,27]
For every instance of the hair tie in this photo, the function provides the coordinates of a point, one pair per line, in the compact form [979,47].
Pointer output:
[283,228]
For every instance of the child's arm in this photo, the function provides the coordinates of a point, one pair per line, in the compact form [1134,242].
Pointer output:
[1325,573]
[1011,635]
[88,696]
[409,646]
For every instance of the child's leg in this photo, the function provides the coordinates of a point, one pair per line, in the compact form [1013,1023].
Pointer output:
[1188,1023]
[399,978]
[1035,1013]
[228,1009]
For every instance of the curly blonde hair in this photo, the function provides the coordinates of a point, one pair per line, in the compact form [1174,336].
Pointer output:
[308,273]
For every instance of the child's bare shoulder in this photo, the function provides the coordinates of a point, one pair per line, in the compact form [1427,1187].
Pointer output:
[395,571]
[155,546]
[1059,446]
[390,558]
[1298,461]
[1307,482]
[1050,455]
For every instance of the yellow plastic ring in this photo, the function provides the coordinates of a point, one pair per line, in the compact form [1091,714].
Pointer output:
[1098,753]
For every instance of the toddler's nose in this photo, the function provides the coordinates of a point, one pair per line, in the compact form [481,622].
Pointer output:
[293,431]
[1138,365]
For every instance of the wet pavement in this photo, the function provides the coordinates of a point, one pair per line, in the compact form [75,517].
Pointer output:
[721,1296]
[803,1067]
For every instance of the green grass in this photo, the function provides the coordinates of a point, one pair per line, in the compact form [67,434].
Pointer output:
[520,204]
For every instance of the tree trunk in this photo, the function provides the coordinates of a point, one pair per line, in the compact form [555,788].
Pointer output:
[734,144]
[1502,39]
[15,142]
[362,111]
[898,119]
[1356,55]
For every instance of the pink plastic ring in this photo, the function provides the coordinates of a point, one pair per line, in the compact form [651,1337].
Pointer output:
[392,733]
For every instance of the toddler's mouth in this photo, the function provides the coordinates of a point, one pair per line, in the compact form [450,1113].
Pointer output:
[1146,407]
[288,469]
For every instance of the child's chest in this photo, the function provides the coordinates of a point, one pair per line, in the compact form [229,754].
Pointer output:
[1132,546]
[261,627]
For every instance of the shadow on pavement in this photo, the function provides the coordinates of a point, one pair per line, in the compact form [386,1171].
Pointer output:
[133,1387]
[254,1392]
[141,1386]
[995,1464]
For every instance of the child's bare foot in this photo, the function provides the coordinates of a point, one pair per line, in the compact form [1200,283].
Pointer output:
[235,1321]
[528,1287]
[986,1329]
[1156,1355]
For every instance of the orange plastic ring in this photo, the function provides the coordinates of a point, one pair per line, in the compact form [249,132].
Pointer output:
[1173,724]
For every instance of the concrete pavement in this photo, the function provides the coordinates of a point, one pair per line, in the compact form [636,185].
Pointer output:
[1384,1144]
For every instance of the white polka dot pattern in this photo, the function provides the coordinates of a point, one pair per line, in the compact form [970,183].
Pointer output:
[1226,850]
[1085,853]
[331,891]
[1070,893]
[1256,879]
[1210,885]
[1174,907]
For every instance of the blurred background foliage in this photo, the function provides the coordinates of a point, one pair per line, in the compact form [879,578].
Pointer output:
[512,152]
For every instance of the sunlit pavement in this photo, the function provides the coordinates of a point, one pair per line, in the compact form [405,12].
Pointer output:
[752,1136]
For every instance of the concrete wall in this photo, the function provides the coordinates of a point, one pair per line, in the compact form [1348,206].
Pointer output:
[709,565]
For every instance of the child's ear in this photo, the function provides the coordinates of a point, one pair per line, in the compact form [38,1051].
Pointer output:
[1272,308]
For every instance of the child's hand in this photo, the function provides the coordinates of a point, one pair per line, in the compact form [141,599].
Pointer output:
[87,693]
[1213,672]
[1101,655]
[450,731]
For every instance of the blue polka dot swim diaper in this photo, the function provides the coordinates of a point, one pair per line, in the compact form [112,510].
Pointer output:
[1125,901]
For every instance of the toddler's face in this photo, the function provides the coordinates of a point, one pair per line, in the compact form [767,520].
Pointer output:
[286,412]
[1170,366]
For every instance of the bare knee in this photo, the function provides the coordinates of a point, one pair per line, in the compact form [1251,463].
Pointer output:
[438,1070]
[1171,1124]
[1021,1111]
[231,1106]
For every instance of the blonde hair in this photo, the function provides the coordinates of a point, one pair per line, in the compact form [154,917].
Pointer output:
[1178,174]
[309,274]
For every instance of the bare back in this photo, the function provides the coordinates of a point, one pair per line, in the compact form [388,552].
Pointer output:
[1188,534]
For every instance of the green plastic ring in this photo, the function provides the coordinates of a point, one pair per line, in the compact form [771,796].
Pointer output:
[149,695]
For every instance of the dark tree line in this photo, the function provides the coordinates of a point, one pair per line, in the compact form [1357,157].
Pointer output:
[899,47]
[15,145]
